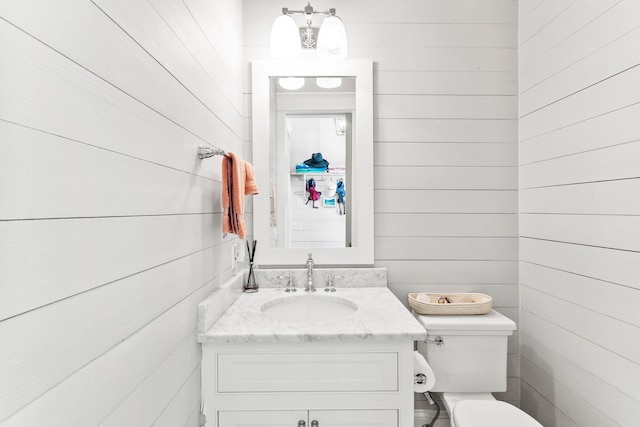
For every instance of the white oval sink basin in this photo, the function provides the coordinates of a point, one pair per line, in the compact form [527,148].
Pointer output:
[308,308]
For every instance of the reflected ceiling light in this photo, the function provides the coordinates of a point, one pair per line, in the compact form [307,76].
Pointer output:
[330,41]
[341,125]
[291,83]
[328,82]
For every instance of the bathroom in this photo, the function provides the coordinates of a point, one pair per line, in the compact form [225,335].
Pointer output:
[504,163]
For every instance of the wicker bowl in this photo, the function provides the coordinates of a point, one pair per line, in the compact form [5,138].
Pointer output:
[452,304]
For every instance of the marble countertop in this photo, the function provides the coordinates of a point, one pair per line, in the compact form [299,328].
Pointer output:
[380,317]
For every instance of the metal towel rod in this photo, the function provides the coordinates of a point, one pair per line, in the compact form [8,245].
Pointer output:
[206,152]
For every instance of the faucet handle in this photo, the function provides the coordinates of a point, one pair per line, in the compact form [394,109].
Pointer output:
[330,283]
[290,286]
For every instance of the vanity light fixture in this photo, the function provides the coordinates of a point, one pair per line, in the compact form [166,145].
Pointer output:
[328,82]
[287,40]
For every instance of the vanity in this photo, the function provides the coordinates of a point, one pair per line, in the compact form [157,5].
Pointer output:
[322,359]
[310,359]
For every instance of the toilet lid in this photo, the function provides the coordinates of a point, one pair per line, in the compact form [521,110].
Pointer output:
[490,413]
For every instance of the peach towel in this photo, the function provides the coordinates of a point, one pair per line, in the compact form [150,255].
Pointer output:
[237,181]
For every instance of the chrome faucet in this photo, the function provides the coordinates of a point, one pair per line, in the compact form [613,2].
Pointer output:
[310,287]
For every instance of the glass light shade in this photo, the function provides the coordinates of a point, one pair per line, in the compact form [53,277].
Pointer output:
[291,83]
[285,41]
[328,82]
[332,39]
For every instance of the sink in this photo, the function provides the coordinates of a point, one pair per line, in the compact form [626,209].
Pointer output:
[308,308]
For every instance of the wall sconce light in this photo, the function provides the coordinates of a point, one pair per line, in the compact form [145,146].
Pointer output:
[287,40]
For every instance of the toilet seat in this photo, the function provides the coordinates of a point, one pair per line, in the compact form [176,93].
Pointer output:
[490,413]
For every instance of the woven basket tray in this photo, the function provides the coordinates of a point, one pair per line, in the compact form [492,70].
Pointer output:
[464,303]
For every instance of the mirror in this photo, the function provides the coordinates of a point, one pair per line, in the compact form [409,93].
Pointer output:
[313,162]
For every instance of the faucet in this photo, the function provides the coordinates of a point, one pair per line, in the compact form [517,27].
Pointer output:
[310,287]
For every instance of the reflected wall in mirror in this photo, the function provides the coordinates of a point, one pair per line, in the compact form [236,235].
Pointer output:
[313,155]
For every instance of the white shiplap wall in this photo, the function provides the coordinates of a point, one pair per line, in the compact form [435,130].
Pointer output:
[445,117]
[580,216]
[109,224]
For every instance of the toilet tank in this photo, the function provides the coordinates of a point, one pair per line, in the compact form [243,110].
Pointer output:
[472,356]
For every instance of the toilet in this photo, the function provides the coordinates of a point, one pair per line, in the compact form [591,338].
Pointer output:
[468,355]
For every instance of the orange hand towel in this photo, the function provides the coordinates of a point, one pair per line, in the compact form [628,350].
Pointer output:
[237,181]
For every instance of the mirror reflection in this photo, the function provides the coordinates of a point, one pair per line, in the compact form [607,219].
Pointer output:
[310,180]
[313,150]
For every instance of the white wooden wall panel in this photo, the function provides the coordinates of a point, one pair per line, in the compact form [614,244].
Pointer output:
[446,224]
[602,131]
[603,198]
[104,183]
[446,201]
[65,100]
[589,325]
[444,130]
[445,107]
[579,218]
[167,47]
[90,324]
[584,167]
[445,83]
[152,397]
[101,251]
[451,272]
[532,400]
[399,152]
[575,46]
[613,265]
[575,77]
[568,23]
[616,301]
[619,232]
[179,410]
[582,367]
[471,248]
[445,178]
[384,34]
[608,95]
[110,224]
[538,17]
[96,390]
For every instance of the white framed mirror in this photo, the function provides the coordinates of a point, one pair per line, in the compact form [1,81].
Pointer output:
[308,142]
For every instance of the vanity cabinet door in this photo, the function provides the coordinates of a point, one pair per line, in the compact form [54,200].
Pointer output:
[346,418]
[350,418]
[262,418]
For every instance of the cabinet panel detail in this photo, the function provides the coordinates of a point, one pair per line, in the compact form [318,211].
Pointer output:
[261,418]
[307,372]
[372,418]
[329,418]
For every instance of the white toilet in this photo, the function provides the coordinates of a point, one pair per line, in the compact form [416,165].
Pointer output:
[468,355]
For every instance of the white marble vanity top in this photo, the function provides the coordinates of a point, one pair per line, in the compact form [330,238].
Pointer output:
[380,317]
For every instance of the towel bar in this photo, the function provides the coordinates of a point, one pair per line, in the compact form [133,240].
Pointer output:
[205,152]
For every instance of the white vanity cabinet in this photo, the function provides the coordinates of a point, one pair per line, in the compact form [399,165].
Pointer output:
[308,384]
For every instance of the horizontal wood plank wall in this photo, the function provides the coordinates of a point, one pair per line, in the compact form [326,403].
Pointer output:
[445,140]
[580,215]
[109,223]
